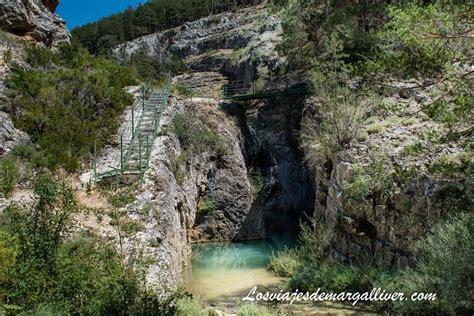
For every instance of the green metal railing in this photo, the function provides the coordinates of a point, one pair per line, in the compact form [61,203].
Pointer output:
[138,137]
[249,90]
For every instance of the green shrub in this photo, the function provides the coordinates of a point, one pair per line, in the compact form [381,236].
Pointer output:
[183,91]
[195,135]
[9,175]
[257,183]
[445,268]
[68,100]
[314,240]
[188,306]
[375,128]
[206,205]
[285,263]
[338,109]
[177,165]
[451,165]
[359,187]
[122,197]
[51,272]
[7,56]
[410,121]
[254,310]
[421,39]
[371,181]
[412,149]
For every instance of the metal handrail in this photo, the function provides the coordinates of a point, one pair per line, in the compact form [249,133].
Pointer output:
[132,130]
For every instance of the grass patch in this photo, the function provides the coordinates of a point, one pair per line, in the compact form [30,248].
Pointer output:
[177,165]
[195,136]
[412,149]
[181,90]
[409,122]
[375,128]
[451,165]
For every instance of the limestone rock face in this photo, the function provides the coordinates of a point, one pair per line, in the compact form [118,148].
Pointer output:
[169,206]
[240,45]
[9,135]
[35,19]
[386,232]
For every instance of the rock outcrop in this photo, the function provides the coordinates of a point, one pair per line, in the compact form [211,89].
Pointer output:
[34,19]
[240,45]
[261,187]
[170,207]
[386,231]
[9,135]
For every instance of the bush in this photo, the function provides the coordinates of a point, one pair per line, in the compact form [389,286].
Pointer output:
[8,175]
[421,40]
[371,181]
[257,183]
[254,310]
[458,164]
[188,306]
[375,128]
[51,272]
[195,138]
[338,109]
[445,268]
[285,263]
[183,91]
[313,242]
[206,205]
[177,162]
[68,100]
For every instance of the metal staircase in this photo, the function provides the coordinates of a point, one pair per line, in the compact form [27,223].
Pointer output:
[137,139]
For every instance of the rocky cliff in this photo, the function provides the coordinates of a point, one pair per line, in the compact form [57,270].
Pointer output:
[34,19]
[260,187]
[400,152]
[239,45]
[384,231]
[24,20]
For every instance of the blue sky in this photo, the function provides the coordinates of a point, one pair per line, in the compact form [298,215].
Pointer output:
[80,12]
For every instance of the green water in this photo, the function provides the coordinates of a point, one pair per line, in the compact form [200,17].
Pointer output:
[222,273]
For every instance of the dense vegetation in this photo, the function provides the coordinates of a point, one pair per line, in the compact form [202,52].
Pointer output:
[337,43]
[444,268]
[66,101]
[351,52]
[148,18]
[46,268]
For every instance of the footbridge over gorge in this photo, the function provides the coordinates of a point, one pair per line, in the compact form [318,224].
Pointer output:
[253,90]
[130,156]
